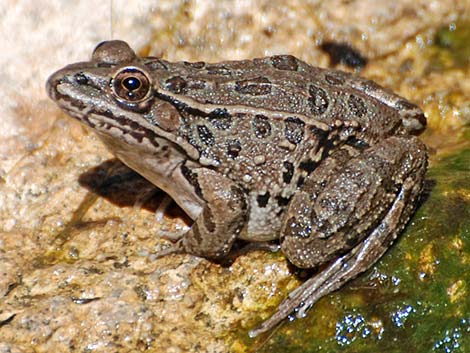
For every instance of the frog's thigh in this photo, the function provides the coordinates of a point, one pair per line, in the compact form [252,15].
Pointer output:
[369,250]
[345,199]
[221,220]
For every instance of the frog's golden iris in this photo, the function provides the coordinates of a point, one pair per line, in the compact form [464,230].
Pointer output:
[131,84]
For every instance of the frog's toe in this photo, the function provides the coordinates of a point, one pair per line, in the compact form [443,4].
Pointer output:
[175,248]
[173,231]
[173,235]
[162,208]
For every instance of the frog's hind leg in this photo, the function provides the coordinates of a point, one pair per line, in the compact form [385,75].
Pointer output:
[412,157]
[221,220]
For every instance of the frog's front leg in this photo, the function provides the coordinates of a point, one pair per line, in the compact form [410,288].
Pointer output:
[221,220]
[358,203]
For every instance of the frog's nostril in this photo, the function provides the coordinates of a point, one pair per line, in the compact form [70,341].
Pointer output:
[80,78]
[59,78]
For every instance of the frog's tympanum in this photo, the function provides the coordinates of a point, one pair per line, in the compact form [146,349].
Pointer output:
[323,161]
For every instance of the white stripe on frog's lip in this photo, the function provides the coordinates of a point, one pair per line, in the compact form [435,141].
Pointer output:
[73,112]
[105,122]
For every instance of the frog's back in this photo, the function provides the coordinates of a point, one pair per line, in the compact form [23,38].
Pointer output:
[277,83]
[283,83]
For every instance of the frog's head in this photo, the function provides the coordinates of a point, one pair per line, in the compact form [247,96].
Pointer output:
[113,93]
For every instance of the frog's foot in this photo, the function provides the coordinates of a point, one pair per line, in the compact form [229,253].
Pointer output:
[173,235]
[165,232]
[164,204]
[349,265]
[176,248]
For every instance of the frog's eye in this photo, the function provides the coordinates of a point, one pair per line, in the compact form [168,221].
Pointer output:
[131,84]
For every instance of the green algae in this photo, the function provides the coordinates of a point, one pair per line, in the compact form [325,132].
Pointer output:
[452,42]
[451,49]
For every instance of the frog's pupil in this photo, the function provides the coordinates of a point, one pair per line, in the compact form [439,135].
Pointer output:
[131,83]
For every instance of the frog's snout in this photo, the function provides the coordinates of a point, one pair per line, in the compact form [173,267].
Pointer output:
[51,84]
[58,79]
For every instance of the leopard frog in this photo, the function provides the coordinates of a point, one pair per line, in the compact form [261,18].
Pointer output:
[272,149]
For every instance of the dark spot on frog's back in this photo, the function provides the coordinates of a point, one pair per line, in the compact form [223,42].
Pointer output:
[263,199]
[294,130]
[205,135]
[318,99]
[254,87]
[233,148]
[288,173]
[176,84]
[220,118]
[358,144]
[282,201]
[308,165]
[357,106]
[285,62]
[319,133]
[261,126]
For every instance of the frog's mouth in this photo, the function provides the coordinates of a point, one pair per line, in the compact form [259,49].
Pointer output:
[71,95]
[105,121]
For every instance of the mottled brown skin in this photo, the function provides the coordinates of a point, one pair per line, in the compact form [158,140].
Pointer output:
[260,149]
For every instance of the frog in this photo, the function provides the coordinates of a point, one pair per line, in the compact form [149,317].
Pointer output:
[324,163]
